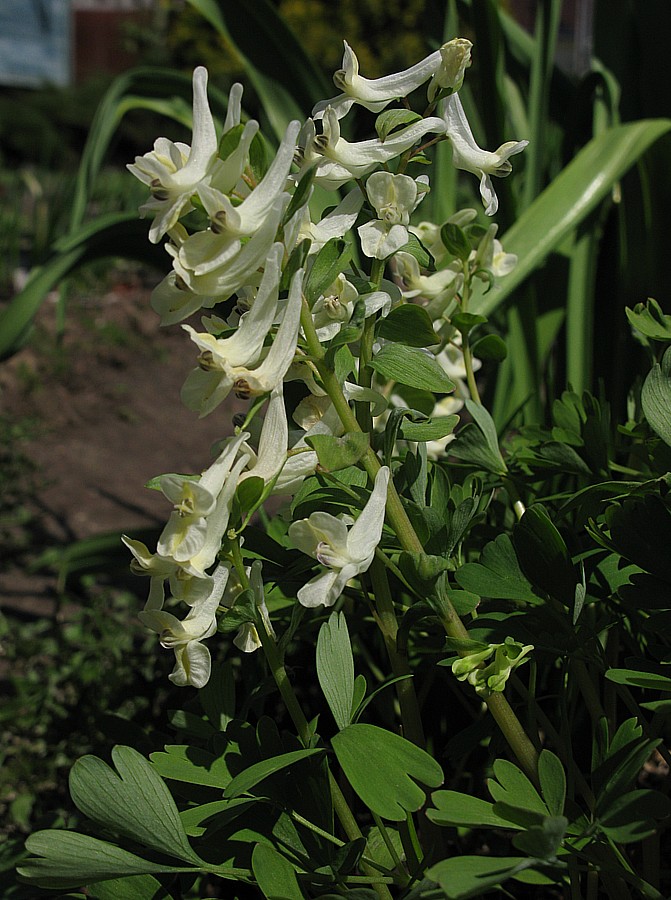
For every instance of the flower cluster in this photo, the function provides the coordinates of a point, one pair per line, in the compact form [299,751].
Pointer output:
[246,244]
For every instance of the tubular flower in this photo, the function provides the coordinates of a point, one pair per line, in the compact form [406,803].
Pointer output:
[240,363]
[345,552]
[339,161]
[374,93]
[173,172]
[209,250]
[194,501]
[442,284]
[192,659]
[468,156]
[231,273]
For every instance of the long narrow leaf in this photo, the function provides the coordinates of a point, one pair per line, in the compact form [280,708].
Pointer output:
[576,191]
[117,234]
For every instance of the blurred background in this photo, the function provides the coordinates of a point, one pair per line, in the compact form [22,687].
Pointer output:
[89,384]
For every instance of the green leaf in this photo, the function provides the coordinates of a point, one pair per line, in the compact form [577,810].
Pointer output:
[498,574]
[218,696]
[472,448]
[411,366]
[464,810]
[192,765]
[656,398]
[249,492]
[197,819]
[391,119]
[245,781]
[635,678]
[387,786]
[569,199]
[67,859]
[635,815]
[485,423]
[137,804]
[408,324]
[417,249]
[649,319]
[491,346]
[553,782]
[336,453]
[331,260]
[543,555]
[455,241]
[430,429]
[514,789]
[134,887]
[470,876]
[335,668]
[275,875]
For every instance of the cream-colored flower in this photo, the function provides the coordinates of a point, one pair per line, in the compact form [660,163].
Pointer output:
[374,93]
[345,552]
[468,156]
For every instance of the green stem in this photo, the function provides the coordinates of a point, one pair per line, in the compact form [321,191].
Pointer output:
[398,865]
[517,738]
[407,536]
[405,689]
[468,365]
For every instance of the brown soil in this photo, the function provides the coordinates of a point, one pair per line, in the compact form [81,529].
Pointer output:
[103,415]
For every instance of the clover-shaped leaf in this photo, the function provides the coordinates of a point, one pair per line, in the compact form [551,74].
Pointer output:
[383,769]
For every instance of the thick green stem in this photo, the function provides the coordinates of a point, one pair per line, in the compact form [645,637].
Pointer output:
[517,738]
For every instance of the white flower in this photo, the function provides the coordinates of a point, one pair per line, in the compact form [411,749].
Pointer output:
[272,454]
[455,57]
[440,285]
[339,161]
[208,250]
[374,93]
[490,255]
[468,156]
[194,503]
[192,659]
[334,225]
[344,552]
[174,172]
[234,269]
[240,363]
[394,197]
[247,638]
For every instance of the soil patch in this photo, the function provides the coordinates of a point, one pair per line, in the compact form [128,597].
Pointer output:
[97,413]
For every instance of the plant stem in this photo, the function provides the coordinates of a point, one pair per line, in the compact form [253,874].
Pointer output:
[398,519]
[405,689]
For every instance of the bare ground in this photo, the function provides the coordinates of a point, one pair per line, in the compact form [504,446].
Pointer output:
[102,415]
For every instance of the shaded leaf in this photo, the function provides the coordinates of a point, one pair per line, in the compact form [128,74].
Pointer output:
[498,574]
[408,324]
[251,776]
[274,874]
